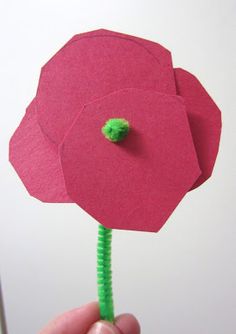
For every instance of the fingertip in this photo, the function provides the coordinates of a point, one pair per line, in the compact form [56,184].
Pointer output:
[76,321]
[127,324]
[103,327]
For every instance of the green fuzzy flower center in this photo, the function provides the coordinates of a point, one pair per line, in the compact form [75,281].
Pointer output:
[115,129]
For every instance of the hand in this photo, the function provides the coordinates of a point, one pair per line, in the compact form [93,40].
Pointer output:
[86,320]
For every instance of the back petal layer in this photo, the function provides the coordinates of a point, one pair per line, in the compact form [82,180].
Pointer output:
[36,161]
[95,64]
[204,119]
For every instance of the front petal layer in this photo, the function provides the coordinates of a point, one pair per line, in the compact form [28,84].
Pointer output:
[137,183]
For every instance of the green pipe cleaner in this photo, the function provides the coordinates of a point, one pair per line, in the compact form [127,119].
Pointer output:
[104,274]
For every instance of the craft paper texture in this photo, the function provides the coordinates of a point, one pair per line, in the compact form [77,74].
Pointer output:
[137,183]
[61,155]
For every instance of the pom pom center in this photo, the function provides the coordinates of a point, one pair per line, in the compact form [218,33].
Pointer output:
[116,129]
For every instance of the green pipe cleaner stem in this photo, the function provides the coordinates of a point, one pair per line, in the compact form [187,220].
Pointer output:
[104,274]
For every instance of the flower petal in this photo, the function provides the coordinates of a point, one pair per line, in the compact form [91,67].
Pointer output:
[93,65]
[36,161]
[204,119]
[134,184]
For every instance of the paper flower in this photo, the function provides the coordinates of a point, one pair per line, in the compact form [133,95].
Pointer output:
[61,155]
[115,129]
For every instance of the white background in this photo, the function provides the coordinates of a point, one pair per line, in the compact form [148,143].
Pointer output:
[179,281]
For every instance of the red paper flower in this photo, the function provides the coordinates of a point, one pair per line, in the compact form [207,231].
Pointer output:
[61,155]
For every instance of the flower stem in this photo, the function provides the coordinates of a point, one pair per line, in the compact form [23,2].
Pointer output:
[104,274]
